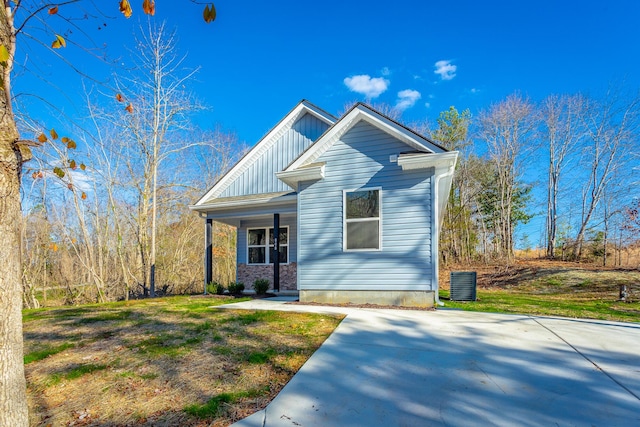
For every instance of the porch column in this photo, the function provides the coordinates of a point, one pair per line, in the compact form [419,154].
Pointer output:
[276,252]
[208,253]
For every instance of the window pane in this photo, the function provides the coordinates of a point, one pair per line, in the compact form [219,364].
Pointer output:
[283,236]
[363,235]
[362,204]
[256,256]
[283,255]
[257,237]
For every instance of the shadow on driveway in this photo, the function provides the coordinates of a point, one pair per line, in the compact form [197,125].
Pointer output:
[453,368]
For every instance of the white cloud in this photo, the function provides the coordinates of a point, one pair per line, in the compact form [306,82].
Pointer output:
[81,179]
[366,85]
[427,104]
[385,71]
[406,99]
[474,90]
[445,69]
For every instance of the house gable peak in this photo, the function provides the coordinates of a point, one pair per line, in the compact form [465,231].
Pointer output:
[303,107]
[362,112]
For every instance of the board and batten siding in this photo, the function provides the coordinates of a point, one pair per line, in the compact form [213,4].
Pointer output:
[260,176]
[285,221]
[361,159]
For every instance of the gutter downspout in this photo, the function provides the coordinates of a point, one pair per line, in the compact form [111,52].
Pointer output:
[435,242]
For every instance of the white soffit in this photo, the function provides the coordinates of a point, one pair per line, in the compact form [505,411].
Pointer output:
[428,160]
[310,172]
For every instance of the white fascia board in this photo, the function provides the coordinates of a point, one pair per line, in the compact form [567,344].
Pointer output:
[263,145]
[445,160]
[358,113]
[280,200]
[319,113]
[312,172]
[321,145]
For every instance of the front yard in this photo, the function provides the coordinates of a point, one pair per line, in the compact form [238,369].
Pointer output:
[167,361]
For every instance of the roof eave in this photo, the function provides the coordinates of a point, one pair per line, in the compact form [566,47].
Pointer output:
[298,111]
[274,201]
[428,160]
[353,116]
[311,172]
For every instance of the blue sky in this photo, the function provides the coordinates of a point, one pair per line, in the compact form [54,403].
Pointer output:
[263,57]
[258,59]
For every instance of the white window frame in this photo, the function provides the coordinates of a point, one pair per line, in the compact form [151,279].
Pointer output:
[267,246]
[345,221]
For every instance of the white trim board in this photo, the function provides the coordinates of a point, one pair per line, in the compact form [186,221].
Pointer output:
[267,254]
[344,220]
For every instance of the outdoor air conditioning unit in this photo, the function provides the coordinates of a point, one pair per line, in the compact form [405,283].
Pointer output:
[462,286]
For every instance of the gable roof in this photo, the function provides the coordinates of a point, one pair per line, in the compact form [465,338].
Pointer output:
[303,107]
[362,112]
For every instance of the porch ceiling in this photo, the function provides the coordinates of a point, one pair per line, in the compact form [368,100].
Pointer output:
[231,210]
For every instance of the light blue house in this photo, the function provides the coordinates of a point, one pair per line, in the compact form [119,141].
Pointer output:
[340,209]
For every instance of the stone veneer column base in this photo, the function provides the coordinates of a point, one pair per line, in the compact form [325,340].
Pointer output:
[248,274]
[421,299]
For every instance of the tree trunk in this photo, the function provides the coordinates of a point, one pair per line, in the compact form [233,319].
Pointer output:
[13,391]
[606,232]
[154,214]
[13,399]
[143,241]
[551,202]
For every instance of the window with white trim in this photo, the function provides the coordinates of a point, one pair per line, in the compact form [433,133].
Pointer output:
[260,249]
[362,225]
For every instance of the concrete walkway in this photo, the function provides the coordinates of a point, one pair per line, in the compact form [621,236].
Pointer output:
[455,368]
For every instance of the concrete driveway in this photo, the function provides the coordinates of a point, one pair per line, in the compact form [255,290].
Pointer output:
[455,368]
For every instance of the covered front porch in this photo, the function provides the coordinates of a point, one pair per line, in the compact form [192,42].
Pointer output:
[266,238]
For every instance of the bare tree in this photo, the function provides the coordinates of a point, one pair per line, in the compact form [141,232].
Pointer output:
[156,113]
[108,169]
[562,131]
[612,126]
[382,107]
[13,398]
[14,151]
[507,129]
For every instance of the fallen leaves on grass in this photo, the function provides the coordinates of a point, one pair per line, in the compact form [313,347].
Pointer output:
[160,361]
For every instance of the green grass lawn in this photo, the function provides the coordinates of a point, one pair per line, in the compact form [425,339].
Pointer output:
[501,301]
[162,361]
[575,293]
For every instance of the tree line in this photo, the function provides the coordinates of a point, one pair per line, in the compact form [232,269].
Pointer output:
[572,158]
[106,217]
[49,26]
[120,225]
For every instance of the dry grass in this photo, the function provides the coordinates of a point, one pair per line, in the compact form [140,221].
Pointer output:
[162,362]
[628,256]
